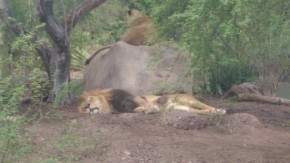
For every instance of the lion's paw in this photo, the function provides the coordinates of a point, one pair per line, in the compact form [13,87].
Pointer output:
[221,111]
[152,109]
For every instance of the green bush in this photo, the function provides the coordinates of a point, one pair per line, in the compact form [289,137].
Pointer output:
[226,38]
[11,146]
[228,73]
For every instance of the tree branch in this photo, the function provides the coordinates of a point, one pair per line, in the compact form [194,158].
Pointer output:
[76,14]
[45,54]
[265,99]
[57,31]
[5,15]
[53,28]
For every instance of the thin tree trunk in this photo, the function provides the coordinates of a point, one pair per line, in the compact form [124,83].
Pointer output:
[60,69]
[45,53]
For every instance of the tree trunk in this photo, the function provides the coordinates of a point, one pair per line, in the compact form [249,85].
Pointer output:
[60,69]
[60,52]
[56,59]
[45,53]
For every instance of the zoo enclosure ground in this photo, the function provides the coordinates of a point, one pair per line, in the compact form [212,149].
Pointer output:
[66,136]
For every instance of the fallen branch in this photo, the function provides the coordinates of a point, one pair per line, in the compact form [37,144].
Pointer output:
[265,99]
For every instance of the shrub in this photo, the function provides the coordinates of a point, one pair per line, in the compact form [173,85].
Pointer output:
[11,146]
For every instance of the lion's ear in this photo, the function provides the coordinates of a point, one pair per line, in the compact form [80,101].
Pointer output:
[129,12]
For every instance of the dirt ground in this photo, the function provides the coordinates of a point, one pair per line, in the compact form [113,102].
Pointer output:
[250,132]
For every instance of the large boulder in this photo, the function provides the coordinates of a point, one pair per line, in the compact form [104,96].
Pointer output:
[140,70]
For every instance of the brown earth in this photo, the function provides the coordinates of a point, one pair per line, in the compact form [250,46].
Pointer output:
[250,132]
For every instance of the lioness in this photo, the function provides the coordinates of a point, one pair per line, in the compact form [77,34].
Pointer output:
[116,100]
[183,102]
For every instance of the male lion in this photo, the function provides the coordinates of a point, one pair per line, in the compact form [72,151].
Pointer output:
[108,101]
[139,30]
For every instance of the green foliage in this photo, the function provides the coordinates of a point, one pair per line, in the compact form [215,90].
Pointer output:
[62,7]
[15,71]
[101,27]
[11,146]
[37,86]
[9,95]
[23,12]
[23,67]
[228,73]
[72,146]
[21,58]
[22,42]
[287,122]
[79,58]
[212,31]
[17,67]
[74,89]
[23,15]
[231,41]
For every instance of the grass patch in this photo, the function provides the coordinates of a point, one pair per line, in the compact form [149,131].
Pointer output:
[287,122]
[14,146]
[66,143]
[75,148]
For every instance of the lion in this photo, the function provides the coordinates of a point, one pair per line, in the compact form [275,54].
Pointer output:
[183,102]
[97,52]
[109,101]
[139,30]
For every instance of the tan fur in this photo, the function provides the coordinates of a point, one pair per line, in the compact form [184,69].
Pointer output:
[92,56]
[183,102]
[139,28]
[147,104]
[97,101]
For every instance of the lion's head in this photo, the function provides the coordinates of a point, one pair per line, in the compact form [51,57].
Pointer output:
[94,105]
[135,17]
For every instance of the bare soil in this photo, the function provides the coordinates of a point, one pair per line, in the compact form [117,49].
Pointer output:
[250,132]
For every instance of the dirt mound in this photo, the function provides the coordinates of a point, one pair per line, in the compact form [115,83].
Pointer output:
[182,120]
[240,123]
[272,116]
